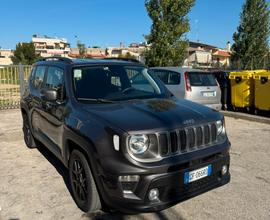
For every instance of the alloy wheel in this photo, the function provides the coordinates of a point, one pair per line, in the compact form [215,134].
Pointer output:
[79,180]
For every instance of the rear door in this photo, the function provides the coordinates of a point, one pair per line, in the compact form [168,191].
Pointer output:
[172,80]
[204,88]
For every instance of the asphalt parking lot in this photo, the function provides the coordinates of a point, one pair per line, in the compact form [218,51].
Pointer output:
[33,182]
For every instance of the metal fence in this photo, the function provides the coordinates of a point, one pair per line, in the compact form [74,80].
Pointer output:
[12,82]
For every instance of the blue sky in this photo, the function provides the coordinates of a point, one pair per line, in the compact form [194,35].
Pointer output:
[109,22]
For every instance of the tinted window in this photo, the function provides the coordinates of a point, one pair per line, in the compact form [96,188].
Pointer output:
[114,83]
[39,76]
[54,78]
[168,77]
[202,79]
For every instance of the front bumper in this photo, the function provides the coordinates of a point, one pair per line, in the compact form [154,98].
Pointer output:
[170,184]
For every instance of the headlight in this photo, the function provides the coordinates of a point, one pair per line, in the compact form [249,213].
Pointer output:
[138,144]
[220,128]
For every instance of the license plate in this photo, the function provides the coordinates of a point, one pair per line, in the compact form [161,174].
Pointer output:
[197,174]
[209,94]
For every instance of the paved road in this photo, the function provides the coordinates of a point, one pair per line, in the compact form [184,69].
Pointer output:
[31,187]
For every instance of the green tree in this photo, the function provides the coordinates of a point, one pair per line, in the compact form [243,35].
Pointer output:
[128,55]
[82,49]
[25,54]
[168,45]
[250,48]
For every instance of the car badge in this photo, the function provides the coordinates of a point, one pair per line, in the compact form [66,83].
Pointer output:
[189,122]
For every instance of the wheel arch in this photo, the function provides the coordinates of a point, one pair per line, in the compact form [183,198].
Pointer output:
[24,113]
[24,110]
[74,141]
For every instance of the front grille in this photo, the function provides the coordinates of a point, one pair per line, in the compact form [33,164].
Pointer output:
[199,134]
[164,143]
[174,142]
[187,139]
[183,140]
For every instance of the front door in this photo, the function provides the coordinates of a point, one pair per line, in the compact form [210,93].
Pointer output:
[52,114]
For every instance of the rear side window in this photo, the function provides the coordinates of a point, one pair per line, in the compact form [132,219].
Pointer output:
[168,77]
[201,79]
[39,76]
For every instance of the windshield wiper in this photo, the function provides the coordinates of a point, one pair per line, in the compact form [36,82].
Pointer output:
[96,100]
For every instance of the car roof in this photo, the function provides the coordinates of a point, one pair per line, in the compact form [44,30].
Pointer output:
[62,62]
[179,69]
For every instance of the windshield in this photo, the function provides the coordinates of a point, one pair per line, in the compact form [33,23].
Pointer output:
[114,82]
[202,79]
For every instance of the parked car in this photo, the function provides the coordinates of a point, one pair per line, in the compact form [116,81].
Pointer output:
[128,144]
[195,85]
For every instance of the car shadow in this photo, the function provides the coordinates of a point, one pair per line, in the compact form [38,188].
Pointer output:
[63,171]
[58,165]
[164,215]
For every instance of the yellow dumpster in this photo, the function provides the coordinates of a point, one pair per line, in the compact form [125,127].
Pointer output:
[262,90]
[242,89]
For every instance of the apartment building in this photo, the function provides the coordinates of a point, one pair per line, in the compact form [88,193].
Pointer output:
[207,56]
[5,57]
[48,46]
[222,57]
[89,53]
[135,50]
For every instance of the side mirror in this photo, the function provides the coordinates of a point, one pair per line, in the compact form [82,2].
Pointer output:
[49,95]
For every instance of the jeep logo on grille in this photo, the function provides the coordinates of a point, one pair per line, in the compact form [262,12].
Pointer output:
[189,122]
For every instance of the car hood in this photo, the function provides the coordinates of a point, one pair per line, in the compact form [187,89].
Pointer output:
[153,114]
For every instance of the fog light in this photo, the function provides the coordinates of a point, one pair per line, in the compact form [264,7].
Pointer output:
[224,169]
[129,178]
[153,195]
[129,182]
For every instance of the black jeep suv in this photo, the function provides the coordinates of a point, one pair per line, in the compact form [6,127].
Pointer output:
[128,144]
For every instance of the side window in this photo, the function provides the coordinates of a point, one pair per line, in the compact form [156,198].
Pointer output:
[32,75]
[162,75]
[168,77]
[174,78]
[54,78]
[39,76]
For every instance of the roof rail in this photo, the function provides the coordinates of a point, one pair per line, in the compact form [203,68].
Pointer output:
[124,59]
[56,58]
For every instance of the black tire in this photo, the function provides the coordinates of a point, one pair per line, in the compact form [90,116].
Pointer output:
[82,183]
[28,137]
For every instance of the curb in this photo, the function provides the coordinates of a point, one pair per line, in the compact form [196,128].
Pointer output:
[248,117]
